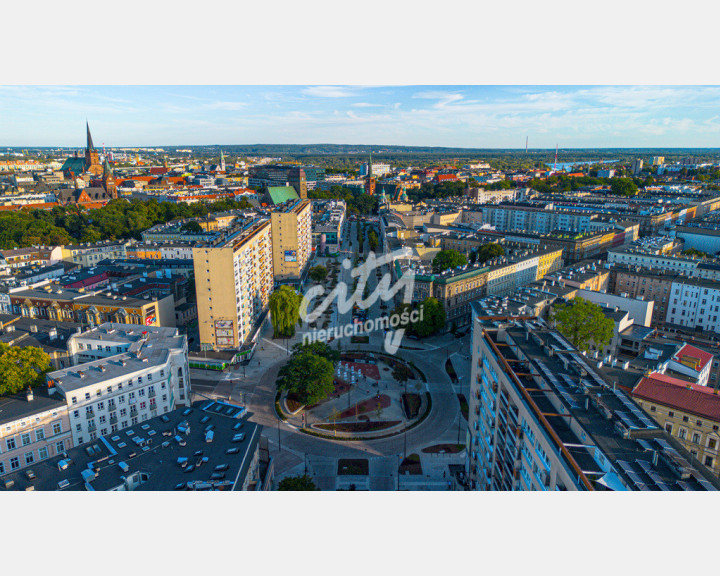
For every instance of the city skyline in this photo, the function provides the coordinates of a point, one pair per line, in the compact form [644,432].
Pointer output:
[446,116]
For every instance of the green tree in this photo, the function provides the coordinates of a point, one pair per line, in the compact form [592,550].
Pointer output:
[489,251]
[401,374]
[433,320]
[695,252]
[308,376]
[583,323]
[297,484]
[318,273]
[284,311]
[473,256]
[319,349]
[192,227]
[448,259]
[21,367]
[373,240]
[433,317]
[623,187]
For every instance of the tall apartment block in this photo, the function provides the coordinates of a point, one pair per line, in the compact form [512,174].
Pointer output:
[291,240]
[233,282]
[543,418]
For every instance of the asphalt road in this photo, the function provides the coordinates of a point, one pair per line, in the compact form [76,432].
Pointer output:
[443,418]
[288,445]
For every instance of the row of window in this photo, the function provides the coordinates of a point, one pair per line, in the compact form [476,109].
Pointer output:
[26,439]
[29,457]
[90,410]
[130,383]
[116,427]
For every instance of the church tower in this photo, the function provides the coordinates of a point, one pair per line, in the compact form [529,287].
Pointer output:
[108,180]
[92,156]
[221,167]
[369,180]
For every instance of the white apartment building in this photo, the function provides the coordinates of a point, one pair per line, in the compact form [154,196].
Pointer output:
[123,375]
[539,219]
[91,254]
[694,304]
[634,257]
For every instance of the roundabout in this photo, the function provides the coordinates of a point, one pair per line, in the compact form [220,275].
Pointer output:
[291,442]
[367,403]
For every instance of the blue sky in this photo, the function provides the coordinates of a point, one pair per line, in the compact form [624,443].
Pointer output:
[466,116]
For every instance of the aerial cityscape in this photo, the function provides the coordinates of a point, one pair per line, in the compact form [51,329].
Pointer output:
[412,288]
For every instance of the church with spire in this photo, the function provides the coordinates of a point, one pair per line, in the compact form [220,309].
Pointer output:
[93,183]
[369,180]
[78,166]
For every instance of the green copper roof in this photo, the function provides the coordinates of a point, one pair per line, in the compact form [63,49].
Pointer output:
[77,165]
[280,194]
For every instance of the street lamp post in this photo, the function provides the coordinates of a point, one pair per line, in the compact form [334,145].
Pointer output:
[397,456]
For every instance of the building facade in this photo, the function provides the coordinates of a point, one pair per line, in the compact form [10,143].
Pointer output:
[122,376]
[542,419]
[291,240]
[33,427]
[233,282]
[689,412]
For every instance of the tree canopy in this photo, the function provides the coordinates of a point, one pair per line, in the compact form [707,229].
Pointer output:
[297,484]
[584,324]
[21,367]
[357,201]
[433,317]
[192,227]
[401,373]
[623,187]
[319,349]
[489,251]
[318,273]
[284,311]
[448,259]
[118,219]
[373,240]
[309,376]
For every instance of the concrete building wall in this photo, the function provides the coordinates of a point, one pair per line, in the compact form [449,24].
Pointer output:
[215,288]
[292,241]
[640,311]
[707,241]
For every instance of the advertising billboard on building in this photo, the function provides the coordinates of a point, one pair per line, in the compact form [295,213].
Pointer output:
[151,316]
[290,255]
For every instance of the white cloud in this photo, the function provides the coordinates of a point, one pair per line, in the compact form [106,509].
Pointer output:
[327,92]
[443,98]
[227,105]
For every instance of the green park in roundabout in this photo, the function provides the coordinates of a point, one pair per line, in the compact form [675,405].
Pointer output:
[351,396]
